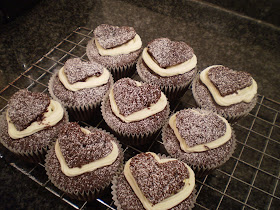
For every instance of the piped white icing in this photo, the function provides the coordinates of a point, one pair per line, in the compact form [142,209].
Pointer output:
[246,94]
[105,161]
[168,202]
[89,83]
[201,147]
[130,46]
[139,115]
[169,71]
[53,115]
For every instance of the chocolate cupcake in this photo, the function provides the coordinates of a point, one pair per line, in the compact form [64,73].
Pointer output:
[31,124]
[116,48]
[83,161]
[201,138]
[169,64]
[80,87]
[135,111]
[150,181]
[232,94]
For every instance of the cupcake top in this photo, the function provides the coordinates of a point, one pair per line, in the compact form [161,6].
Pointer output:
[227,86]
[199,130]
[80,150]
[30,112]
[133,101]
[77,75]
[159,183]
[169,58]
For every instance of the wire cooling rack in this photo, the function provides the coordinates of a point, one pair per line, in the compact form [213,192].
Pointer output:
[249,180]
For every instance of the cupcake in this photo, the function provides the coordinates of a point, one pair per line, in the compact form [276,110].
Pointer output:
[80,87]
[201,138]
[135,111]
[232,94]
[169,64]
[116,48]
[31,124]
[150,181]
[83,161]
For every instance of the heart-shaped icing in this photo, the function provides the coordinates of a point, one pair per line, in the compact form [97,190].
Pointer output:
[109,36]
[198,127]
[228,81]
[158,180]
[78,71]
[131,98]
[26,107]
[79,148]
[169,53]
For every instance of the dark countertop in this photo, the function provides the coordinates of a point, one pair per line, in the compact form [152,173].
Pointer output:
[218,36]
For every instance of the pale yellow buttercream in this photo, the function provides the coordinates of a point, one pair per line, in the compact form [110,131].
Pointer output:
[246,94]
[53,115]
[168,202]
[169,71]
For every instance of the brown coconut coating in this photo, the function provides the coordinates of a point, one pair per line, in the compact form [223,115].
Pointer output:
[157,181]
[205,100]
[131,98]
[169,53]
[129,200]
[209,159]
[37,141]
[84,97]
[85,182]
[78,71]
[26,107]
[150,76]
[228,81]
[91,146]
[109,36]
[196,128]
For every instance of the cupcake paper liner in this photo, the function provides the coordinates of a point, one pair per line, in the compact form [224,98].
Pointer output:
[173,92]
[115,186]
[30,156]
[125,135]
[90,194]
[210,104]
[85,112]
[200,170]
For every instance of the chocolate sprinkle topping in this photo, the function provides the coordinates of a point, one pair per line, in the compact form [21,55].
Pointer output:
[109,36]
[157,181]
[169,53]
[79,148]
[131,98]
[196,128]
[78,71]
[228,81]
[26,107]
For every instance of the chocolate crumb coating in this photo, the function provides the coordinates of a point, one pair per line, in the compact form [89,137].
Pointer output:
[86,182]
[169,53]
[150,76]
[109,36]
[78,71]
[228,81]
[35,142]
[157,181]
[131,98]
[204,99]
[26,107]
[199,128]
[207,159]
[91,146]
[87,96]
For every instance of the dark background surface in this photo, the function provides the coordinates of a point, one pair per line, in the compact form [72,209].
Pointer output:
[246,39]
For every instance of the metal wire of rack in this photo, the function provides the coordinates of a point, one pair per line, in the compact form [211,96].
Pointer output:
[249,180]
